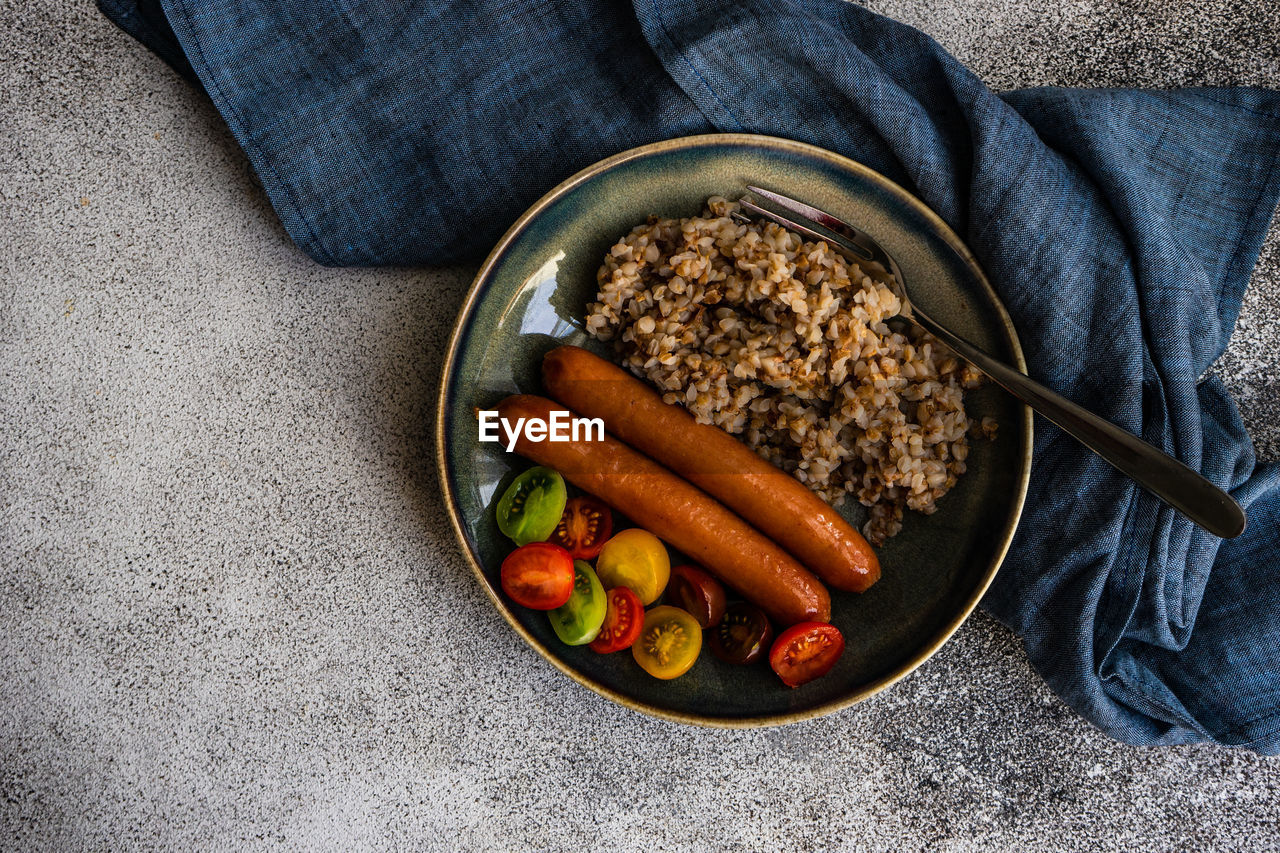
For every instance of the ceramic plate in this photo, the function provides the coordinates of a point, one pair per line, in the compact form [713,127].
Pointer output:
[530,296]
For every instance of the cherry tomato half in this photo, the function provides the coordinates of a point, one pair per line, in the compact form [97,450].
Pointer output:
[531,506]
[578,620]
[622,622]
[584,526]
[806,651]
[538,575]
[669,642]
[696,592]
[638,560]
[742,635]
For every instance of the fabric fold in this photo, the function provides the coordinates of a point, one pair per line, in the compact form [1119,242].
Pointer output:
[1120,228]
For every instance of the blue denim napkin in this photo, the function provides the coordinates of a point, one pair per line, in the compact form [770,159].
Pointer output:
[1120,228]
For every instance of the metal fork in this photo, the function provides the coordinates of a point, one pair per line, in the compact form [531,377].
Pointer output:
[1162,475]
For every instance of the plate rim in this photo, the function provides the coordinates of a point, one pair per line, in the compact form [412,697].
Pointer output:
[461,327]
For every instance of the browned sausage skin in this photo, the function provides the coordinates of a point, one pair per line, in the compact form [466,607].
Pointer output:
[776,503]
[680,514]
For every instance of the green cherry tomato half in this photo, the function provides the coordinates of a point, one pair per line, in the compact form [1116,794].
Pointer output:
[531,506]
[578,620]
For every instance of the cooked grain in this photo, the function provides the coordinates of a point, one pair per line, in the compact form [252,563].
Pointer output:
[788,345]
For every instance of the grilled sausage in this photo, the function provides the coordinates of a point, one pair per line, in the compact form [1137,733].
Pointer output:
[678,513]
[776,503]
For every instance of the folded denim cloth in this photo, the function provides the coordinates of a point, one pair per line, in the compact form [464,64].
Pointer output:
[1120,228]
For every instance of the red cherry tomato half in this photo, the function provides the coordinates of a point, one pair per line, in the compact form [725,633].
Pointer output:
[623,619]
[585,525]
[806,651]
[697,593]
[538,575]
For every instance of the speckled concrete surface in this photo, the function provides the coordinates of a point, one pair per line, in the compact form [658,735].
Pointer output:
[235,617]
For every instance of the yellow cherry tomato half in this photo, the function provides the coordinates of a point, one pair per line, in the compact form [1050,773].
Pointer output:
[669,642]
[635,559]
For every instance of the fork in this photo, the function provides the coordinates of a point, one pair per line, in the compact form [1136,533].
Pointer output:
[1165,477]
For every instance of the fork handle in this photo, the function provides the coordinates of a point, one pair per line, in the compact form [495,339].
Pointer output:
[1162,475]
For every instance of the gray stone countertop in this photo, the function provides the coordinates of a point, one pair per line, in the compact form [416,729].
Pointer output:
[235,616]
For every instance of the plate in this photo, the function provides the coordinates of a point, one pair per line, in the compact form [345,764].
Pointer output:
[530,296]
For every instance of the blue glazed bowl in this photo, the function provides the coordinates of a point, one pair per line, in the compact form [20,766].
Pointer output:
[530,296]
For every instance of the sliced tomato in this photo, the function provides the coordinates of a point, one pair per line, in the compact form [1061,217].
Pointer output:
[584,526]
[806,651]
[742,635]
[669,642]
[578,620]
[623,620]
[531,506]
[638,560]
[696,592]
[538,575]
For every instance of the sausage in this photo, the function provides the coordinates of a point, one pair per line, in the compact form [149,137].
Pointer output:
[678,513]
[776,503]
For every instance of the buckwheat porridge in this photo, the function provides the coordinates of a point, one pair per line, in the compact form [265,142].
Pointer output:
[788,345]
